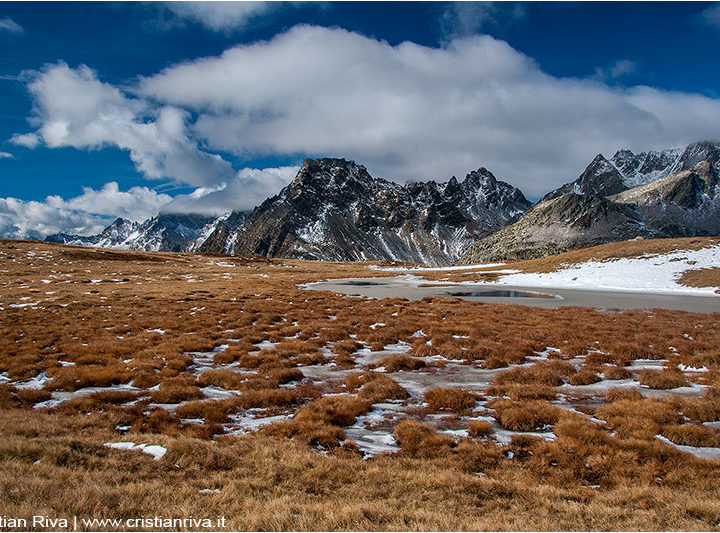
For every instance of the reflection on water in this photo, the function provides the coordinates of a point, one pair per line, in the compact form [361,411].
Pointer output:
[497,294]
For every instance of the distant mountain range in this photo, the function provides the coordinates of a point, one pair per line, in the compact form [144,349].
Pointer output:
[334,210]
[672,193]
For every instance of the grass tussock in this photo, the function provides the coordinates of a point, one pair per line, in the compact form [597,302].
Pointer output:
[528,416]
[692,435]
[334,410]
[450,399]
[420,440]
[544,373]
[584,377]
[662,379]
[397,362]
[479,428]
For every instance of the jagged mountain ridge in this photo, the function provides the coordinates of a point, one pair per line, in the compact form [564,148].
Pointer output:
[334,210]
[626,170]
[166,232]
[682,204]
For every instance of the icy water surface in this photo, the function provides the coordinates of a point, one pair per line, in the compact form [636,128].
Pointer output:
[414,288]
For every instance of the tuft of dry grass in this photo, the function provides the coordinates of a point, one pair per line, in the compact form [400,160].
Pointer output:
[398,361]
[662,379]
[479,428]
[692,435]
[450,399]
[616,372]
[584,377]
[420,440]
[334,410]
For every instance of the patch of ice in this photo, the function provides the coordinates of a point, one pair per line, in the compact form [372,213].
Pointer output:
[685,368]
[698,451]
[434,269]
[157,451]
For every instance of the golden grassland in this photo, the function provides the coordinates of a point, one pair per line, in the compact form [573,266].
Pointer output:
[208,341]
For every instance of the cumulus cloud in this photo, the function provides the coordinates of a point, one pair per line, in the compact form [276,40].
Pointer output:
[6,155]
[246,191]
[20,219]
[407,112]
[85,214]
[93,210]
[137,203]
[9,25]
[220,16]
[414,112]
[73,108]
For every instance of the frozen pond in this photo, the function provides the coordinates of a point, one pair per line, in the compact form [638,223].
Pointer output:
[414,288]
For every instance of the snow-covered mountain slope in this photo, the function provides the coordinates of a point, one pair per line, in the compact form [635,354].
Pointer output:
[626,170]
[334,210]
[165,233]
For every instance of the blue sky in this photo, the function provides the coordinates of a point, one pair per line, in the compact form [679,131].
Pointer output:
[122,109]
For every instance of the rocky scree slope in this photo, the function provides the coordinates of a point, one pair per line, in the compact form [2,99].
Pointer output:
[675,194]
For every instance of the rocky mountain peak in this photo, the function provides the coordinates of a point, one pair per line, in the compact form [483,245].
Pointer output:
[698,152]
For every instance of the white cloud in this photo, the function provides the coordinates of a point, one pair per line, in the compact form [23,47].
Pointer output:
[413,112]
[220,16]
[246,191]
[73,108]
[86,214]
[711,16]
[137,203]
[9,25]
[28,140]
[21,219]
[6,155]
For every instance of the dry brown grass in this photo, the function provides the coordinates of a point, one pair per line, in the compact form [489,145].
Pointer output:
[528,416]
[662,379]
[272,479]
[692,435]
[702,277]
[420,440]
[616,372]
[479,428]
[334,410]
[398,361]
[450,399]
[544,373]
[584,377]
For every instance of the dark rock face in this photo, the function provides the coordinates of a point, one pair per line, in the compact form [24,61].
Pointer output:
[334,210]
[600,178]
[558,225]
[677,196]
